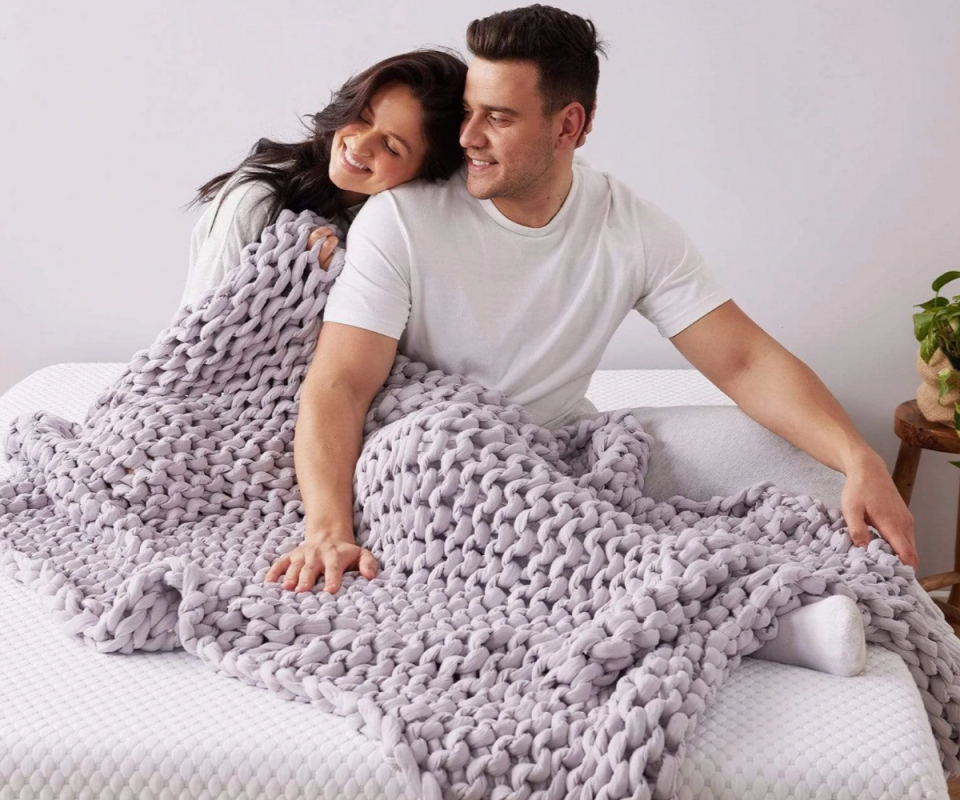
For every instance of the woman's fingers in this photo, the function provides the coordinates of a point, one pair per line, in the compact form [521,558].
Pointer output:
[325,256]
[326,251]
[317,234]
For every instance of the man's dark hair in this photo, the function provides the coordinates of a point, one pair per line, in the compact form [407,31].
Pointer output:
[562,45]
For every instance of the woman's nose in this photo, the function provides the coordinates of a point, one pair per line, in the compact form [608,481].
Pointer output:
[362,142]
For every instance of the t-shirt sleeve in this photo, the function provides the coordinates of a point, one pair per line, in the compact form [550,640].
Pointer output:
[372,290]
[678,286]
[230,223]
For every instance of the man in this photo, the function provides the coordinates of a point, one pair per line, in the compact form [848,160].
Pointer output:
[516,273]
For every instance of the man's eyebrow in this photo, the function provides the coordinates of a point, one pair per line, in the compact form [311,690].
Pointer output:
[497,109]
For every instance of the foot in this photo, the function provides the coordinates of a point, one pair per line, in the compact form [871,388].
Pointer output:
[826,636]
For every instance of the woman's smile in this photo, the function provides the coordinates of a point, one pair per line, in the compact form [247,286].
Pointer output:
[351,163]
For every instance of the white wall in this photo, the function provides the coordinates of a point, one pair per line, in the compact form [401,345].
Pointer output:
[809,149]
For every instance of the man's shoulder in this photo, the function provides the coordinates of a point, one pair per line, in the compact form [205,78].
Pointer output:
[602,189]
[628,211]
[604,182]
[424,194]
[411,205]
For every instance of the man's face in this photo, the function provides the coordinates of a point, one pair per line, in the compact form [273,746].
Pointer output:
[505,129]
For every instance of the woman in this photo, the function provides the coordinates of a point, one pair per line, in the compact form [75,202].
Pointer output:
[396,121]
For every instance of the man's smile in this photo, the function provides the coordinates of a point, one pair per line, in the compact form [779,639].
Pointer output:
[478,164]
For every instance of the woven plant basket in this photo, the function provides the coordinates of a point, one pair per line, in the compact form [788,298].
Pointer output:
[931,407]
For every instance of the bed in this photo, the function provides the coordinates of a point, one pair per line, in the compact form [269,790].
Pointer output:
[75,723]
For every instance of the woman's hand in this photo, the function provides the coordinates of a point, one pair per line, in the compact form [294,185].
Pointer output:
[326,249]
[330,555]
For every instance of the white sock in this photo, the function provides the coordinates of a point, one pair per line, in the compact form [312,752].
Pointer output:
[826,636]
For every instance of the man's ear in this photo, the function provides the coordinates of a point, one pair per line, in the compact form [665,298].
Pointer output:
[572,120]
[589,126]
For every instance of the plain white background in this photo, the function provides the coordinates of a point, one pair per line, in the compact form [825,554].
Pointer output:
[811,150]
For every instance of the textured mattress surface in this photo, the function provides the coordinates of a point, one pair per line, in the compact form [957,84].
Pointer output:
[77,723]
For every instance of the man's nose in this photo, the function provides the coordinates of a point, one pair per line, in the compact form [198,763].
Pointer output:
[470,134]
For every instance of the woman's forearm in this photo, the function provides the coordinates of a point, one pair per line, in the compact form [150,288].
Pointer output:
[327,442]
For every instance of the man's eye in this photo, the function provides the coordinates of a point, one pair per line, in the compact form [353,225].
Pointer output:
[498,120]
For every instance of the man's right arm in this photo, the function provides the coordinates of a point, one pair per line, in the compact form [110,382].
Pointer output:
[349,367]
[365,314]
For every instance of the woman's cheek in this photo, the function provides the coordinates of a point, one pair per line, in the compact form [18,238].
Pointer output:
[402,174]
[388,176]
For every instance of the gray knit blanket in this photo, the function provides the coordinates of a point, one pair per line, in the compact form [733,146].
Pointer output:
[538,628]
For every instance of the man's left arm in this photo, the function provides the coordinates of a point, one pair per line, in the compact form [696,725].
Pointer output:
[783,394]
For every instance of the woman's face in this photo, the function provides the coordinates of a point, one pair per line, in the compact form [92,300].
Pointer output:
[383,148]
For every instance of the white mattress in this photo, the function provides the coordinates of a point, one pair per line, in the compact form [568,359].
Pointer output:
[77,723]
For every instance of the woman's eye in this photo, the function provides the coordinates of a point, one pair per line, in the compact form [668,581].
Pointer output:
[391,149]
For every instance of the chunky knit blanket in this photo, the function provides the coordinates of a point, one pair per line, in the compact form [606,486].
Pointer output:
[538,628]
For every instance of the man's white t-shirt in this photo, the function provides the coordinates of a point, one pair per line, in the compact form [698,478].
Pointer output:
[528,311]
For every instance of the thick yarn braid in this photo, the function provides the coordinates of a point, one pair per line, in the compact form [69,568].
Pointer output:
[538,627]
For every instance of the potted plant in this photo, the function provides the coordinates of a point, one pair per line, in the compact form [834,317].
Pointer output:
[937,328]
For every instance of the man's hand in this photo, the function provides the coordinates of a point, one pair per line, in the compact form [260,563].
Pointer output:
[588,127]
[330,555]
[783,394]
[326,249]
[871,498]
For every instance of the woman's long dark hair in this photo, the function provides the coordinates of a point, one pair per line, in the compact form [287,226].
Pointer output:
[298,174]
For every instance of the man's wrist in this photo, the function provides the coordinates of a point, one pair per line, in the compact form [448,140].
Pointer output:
[322,531]
[861,457]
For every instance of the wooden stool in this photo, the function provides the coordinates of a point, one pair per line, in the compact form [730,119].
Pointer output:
[917,434]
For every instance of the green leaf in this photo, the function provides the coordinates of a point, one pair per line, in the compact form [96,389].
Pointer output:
[944,379]
[928,347]
[944,279]
[937,302]
[956,417]
[922,323]
[955,463]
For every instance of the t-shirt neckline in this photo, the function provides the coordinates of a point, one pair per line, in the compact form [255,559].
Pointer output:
[524,230]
